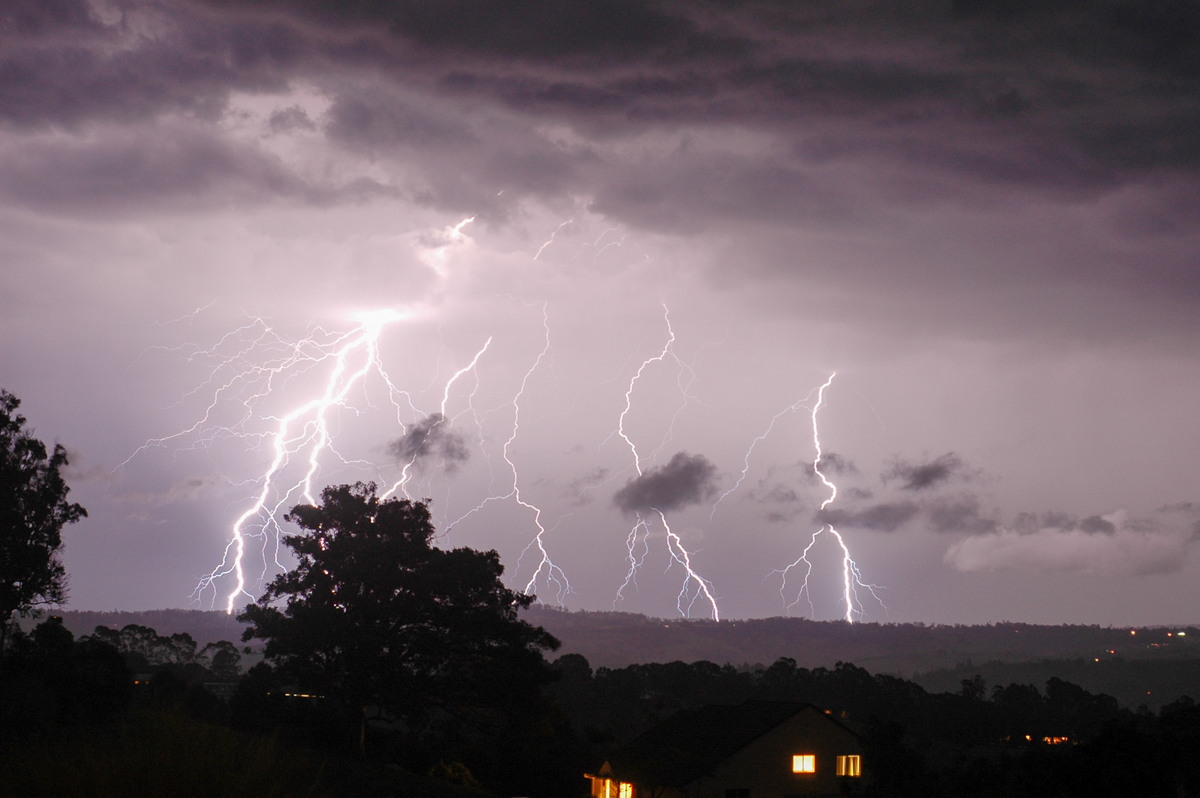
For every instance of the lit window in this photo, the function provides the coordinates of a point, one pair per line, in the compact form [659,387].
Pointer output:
[850,765]
[624,790]
[804,763]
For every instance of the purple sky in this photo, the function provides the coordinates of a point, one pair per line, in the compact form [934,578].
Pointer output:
[981,215]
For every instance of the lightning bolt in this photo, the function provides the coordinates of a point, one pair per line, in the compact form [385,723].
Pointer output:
[694,586]
[555,578]
[553,236]
[254,362]
[553,574]
[303,433]
[792,408]
[852,580]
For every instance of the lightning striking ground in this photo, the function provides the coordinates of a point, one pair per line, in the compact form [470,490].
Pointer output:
[546,567]
[637,541]
[852,580]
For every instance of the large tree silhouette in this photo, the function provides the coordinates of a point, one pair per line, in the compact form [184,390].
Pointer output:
[33,511]
[374,615]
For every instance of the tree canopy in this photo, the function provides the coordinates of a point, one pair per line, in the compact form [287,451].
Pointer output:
[375,615]
[33,511]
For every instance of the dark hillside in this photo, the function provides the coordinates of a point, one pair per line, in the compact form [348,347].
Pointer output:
[1149,665]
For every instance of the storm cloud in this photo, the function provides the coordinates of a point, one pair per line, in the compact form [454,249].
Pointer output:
[686,479]
[921,476]
[883,517]
[1116,543]
[431,438]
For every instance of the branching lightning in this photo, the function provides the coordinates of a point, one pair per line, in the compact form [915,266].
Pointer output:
[341,375]
[302,433]
[792,408]
[552,573]
[852,580]
[637,542]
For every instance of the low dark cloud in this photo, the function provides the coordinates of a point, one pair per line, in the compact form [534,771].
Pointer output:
[685,479]
[959,515]
[922,476]
[288,119]
[176,165]
[431,438]
[1094,524]
[834,463]
[1116,543]
[883,517]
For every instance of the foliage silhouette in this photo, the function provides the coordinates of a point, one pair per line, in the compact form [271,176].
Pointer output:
[376,617]
[33,511]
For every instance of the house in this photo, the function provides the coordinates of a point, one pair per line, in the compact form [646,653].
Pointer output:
[759,749]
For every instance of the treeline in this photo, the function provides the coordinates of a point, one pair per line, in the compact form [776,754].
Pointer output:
[130,711]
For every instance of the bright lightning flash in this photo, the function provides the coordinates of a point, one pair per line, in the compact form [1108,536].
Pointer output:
[304,432]
[300,440]
[637,543]
[852,580]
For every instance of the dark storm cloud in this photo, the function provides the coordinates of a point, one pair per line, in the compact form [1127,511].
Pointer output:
[959,515]
[921,476]
[685,479]
[76,65]
[1114,544]
[882,517]
[834,463]
[535,31]
[175,164]
[852,119]
[430,438]
[1068,98]
[1096,525]
[288,119]
[377,122]
[1028,523]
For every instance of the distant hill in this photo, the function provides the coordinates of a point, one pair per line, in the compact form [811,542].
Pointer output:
[1140,665]
[613,639]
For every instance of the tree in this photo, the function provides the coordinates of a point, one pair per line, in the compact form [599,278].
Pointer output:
[374,615]
[33,511]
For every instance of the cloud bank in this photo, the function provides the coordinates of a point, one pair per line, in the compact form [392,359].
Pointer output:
[1109,544]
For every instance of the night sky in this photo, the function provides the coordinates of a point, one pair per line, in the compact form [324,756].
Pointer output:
[685,217]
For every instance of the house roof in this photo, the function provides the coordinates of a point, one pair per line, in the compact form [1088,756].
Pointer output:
[691,742]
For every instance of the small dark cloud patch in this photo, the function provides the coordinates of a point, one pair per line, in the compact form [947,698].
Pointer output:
[959,515]
[831,464]
[834,463]
[429,438]
[287,119]
[883,517]
[925,475]
[1094,524]
[685,479]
